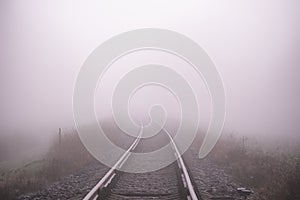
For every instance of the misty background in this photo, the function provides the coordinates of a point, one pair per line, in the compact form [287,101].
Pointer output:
[255,45]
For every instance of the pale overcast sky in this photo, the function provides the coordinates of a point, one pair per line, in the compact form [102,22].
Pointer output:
[254,44]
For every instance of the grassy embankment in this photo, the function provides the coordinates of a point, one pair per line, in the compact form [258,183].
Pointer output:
[63,158]
[272,174]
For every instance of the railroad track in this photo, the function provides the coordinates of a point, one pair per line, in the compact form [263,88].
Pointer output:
[171,182]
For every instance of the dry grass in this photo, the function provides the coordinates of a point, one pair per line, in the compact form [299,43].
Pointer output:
[62,159]
[271,174]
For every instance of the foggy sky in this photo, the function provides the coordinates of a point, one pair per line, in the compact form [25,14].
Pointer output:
[254,44]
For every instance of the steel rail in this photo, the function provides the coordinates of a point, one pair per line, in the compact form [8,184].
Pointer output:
[185,175]
[191,194]
[107,178]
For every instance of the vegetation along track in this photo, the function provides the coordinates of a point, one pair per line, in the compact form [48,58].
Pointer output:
[171,182]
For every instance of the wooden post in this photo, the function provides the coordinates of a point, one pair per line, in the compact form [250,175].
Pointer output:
[59,136]
[244,140]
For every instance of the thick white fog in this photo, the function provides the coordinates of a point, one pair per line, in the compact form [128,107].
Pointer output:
[254,44]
